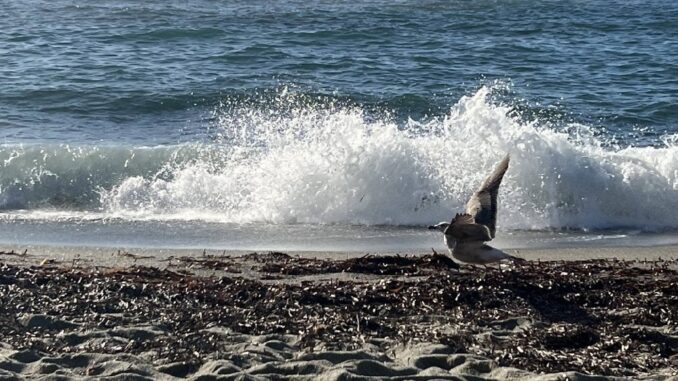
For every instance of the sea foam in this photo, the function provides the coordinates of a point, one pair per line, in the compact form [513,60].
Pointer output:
[339,165]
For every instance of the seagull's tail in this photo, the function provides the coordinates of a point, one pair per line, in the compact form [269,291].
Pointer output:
[516,259]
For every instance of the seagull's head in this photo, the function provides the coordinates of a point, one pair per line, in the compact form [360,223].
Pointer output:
[440,226]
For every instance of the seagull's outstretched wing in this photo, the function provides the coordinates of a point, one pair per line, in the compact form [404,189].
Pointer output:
[464,228]
[483,204]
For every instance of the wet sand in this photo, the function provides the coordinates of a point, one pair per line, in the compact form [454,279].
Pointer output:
[82,313]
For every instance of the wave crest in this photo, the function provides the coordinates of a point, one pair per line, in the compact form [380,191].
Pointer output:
[338,165]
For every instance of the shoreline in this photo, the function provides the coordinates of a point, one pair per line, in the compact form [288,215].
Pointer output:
[198,235]
[281,316]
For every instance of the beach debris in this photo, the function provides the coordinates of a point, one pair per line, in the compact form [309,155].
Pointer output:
[47,261]
[135,257]
[367,264]
[15,254]
[609,317]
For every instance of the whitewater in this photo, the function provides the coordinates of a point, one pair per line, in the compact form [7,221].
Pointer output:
[339,167]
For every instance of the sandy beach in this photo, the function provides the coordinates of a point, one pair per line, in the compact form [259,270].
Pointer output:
[256,190]
[578,314]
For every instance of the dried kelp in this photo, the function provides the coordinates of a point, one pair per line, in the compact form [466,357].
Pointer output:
[368,264]
[603,317]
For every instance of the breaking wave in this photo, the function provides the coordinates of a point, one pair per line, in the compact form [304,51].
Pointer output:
[336,164]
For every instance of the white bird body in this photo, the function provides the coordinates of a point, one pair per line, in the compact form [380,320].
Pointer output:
[466,235]
[450,242]
[474,252]
[478,253]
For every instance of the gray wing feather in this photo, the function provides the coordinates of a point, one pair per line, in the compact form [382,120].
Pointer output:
[483,204]
[464,228]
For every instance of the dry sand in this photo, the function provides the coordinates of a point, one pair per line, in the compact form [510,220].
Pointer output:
[80,313]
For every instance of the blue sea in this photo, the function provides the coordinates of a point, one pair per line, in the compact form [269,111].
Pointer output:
[335,125]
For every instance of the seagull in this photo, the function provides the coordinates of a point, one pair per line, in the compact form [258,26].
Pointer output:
[466,235]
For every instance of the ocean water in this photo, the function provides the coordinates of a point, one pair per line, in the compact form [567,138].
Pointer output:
[335,125]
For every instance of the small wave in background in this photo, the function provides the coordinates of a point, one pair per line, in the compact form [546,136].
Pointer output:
[300,162]
[335,124]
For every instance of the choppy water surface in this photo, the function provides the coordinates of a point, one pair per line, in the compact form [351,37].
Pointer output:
[340,116]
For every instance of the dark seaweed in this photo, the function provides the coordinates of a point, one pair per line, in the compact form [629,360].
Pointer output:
[598,316]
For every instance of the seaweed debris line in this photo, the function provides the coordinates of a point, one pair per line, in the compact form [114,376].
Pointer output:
[274,316]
